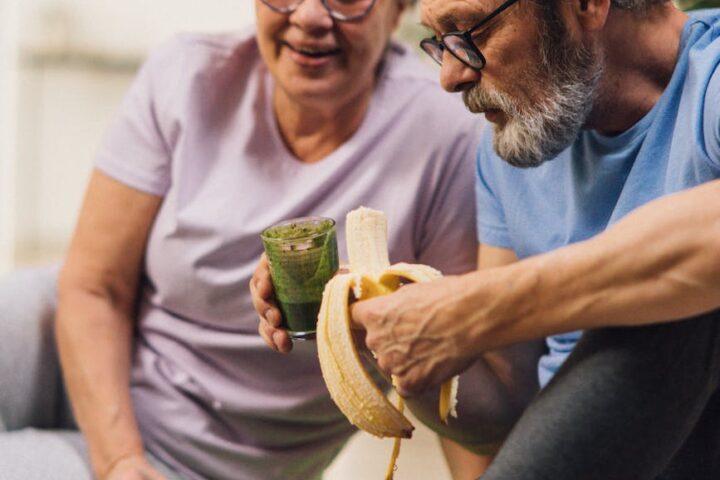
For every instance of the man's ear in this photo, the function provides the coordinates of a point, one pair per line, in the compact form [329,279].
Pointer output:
[591,15]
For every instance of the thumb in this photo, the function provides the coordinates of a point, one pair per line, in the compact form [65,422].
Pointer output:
[356,315]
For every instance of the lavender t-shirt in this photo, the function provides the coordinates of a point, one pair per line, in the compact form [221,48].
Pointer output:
[197,128]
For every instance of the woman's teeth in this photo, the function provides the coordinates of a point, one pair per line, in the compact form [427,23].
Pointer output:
[316,53]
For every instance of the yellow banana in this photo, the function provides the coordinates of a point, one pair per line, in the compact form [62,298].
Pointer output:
[350,385]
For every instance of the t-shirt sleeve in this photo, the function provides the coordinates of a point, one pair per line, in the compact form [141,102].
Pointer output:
[711,116]
[448,240]
[491,226]
[134,150]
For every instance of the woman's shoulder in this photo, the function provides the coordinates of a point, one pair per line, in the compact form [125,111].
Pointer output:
[403,65]
[217,44]
[412,85]
[189,52]
[404,70]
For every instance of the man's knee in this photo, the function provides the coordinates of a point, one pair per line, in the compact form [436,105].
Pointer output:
[687,350]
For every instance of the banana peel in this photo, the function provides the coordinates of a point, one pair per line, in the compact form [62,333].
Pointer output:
[350,385]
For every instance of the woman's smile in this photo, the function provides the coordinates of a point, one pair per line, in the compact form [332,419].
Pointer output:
[311,55]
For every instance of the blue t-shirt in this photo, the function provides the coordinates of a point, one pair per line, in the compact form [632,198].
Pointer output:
[600,179]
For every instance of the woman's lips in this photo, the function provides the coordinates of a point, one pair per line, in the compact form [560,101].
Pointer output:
[312,57]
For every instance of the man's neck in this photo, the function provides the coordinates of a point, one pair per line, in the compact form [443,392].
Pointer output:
[640,57]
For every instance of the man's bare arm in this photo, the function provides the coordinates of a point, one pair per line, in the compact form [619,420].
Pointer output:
[660,263]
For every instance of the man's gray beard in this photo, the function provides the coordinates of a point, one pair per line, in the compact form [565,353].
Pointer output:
[539,132]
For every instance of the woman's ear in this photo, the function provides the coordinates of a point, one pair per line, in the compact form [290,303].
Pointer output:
[402,5]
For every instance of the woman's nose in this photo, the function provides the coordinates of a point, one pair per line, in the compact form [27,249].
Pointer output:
[455,76]
[312,15]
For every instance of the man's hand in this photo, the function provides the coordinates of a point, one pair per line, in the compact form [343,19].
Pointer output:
[418,333]
[135,467]
[261,288]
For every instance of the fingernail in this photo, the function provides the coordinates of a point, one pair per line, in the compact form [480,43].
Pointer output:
[270,317]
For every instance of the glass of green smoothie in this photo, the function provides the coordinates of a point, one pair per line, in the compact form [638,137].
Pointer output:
[303,256]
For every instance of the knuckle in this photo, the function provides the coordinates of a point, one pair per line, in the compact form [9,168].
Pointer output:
[372,342]
[264,288]
[266,329]
[266,337]
[408,385]
[273,317]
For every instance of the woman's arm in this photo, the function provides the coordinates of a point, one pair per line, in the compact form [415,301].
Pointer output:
[97,295]
[463,464]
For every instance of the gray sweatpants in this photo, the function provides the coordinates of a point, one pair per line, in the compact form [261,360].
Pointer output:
[38,436]
[629,404]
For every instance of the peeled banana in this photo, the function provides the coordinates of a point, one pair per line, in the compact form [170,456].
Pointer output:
[370,274]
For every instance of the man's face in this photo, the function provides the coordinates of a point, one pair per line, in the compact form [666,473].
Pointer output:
[538,86]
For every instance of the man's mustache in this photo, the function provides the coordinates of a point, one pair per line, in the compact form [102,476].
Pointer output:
[479,100]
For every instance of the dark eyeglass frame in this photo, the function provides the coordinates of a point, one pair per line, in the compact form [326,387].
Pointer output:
[337,16]
[433,44]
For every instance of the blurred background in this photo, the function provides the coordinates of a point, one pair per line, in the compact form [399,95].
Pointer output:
[64,67]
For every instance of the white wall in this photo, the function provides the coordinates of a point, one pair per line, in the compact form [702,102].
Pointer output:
[77,58]
[130,25]
[8,26]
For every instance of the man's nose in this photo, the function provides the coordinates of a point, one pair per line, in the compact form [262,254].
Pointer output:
[455,76]
[312,15]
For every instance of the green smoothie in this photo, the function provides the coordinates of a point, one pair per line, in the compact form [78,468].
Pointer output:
[303,256]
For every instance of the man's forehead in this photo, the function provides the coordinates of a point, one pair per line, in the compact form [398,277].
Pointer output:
[447,15]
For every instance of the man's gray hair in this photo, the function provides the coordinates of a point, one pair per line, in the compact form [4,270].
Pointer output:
[638,5]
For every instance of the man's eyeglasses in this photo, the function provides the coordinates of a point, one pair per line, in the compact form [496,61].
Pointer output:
[461,44]
[343,10]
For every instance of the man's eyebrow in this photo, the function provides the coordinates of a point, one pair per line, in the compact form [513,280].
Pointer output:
[449,21]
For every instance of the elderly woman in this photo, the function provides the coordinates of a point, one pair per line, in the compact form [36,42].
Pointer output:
[314,113]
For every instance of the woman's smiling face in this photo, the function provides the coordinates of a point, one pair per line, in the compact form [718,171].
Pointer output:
[314,57]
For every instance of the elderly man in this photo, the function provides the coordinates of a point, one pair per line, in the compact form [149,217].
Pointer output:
[616,107]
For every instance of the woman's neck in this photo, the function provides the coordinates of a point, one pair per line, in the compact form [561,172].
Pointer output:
[313,131]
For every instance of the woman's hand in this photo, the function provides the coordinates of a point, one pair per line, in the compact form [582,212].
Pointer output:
[135,467]
[262,291]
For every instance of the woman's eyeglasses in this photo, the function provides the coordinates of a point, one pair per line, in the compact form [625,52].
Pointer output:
[342,10]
